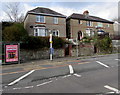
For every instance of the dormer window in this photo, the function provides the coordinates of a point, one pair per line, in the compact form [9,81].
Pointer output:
[40,19]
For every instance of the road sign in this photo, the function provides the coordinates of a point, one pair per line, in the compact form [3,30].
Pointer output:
[51,50]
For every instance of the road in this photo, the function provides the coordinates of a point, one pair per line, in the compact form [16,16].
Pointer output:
[93,75]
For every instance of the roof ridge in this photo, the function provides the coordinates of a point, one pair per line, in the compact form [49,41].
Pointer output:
[90,17]
[45,10]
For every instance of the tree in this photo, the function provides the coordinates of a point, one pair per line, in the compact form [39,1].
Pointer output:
[15,32]
[13,11]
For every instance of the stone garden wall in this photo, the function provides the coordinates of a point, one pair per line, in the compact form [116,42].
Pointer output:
[27,55]
[83,50]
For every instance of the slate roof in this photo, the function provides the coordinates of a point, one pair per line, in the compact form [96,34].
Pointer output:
[45,11]
[89,18]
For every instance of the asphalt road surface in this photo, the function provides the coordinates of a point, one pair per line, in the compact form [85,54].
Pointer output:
[93,75]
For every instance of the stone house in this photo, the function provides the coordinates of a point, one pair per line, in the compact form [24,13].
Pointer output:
[79,25]
[42,21]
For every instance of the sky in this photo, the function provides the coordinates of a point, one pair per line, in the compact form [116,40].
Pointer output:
[106,10]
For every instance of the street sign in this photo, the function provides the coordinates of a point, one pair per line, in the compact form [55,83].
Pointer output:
[51,50]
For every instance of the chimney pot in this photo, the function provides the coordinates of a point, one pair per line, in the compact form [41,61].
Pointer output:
[86,12]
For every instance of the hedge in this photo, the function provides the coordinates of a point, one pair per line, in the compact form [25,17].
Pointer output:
[35,43]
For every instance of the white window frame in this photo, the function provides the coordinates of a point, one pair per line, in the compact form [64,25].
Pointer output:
[88,30]
[108,25]
[38,18]
[55,20]
[100,23]
[38,31]
[55,31]
[89,23]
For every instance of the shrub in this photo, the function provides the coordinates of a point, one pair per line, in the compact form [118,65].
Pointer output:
[105,44]
[15,32]
[35,43]
[58,42]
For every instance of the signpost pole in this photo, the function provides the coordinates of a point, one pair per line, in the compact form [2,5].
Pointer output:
[51,47]
[19,53]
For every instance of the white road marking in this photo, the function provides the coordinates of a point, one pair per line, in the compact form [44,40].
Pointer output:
[16,88]
[117,59]
[66,76]
[29,87]
[44,83]
[111,88]
[110,92]
[5,86]
[21,78]
[71,69]
[102,64]
[77,75]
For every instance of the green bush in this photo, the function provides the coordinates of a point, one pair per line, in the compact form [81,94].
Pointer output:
[35,43]
[87,39]
[104,44]
[15,32]
[58,42]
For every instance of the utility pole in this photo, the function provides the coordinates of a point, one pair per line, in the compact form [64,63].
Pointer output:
[51,49]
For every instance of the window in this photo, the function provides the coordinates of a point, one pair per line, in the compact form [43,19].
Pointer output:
[55,20]
[100,24]
[36,32]
[79,22]
[108,25]
[40,19]
[89,32]
[89,23]
[55,32]
[40,32]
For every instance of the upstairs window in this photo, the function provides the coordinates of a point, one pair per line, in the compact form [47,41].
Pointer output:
[108,25]
[89,23]
[100,24]
[40,19]
[79,22]
[55,20]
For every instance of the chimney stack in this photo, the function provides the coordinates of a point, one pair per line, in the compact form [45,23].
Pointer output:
[86,13]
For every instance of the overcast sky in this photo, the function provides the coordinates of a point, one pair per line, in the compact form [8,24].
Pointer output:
[106,10]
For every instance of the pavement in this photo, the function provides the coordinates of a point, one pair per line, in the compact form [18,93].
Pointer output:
[96,72]
[37,64]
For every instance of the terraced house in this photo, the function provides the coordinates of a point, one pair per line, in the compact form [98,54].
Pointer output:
[42,21]
[79,25]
